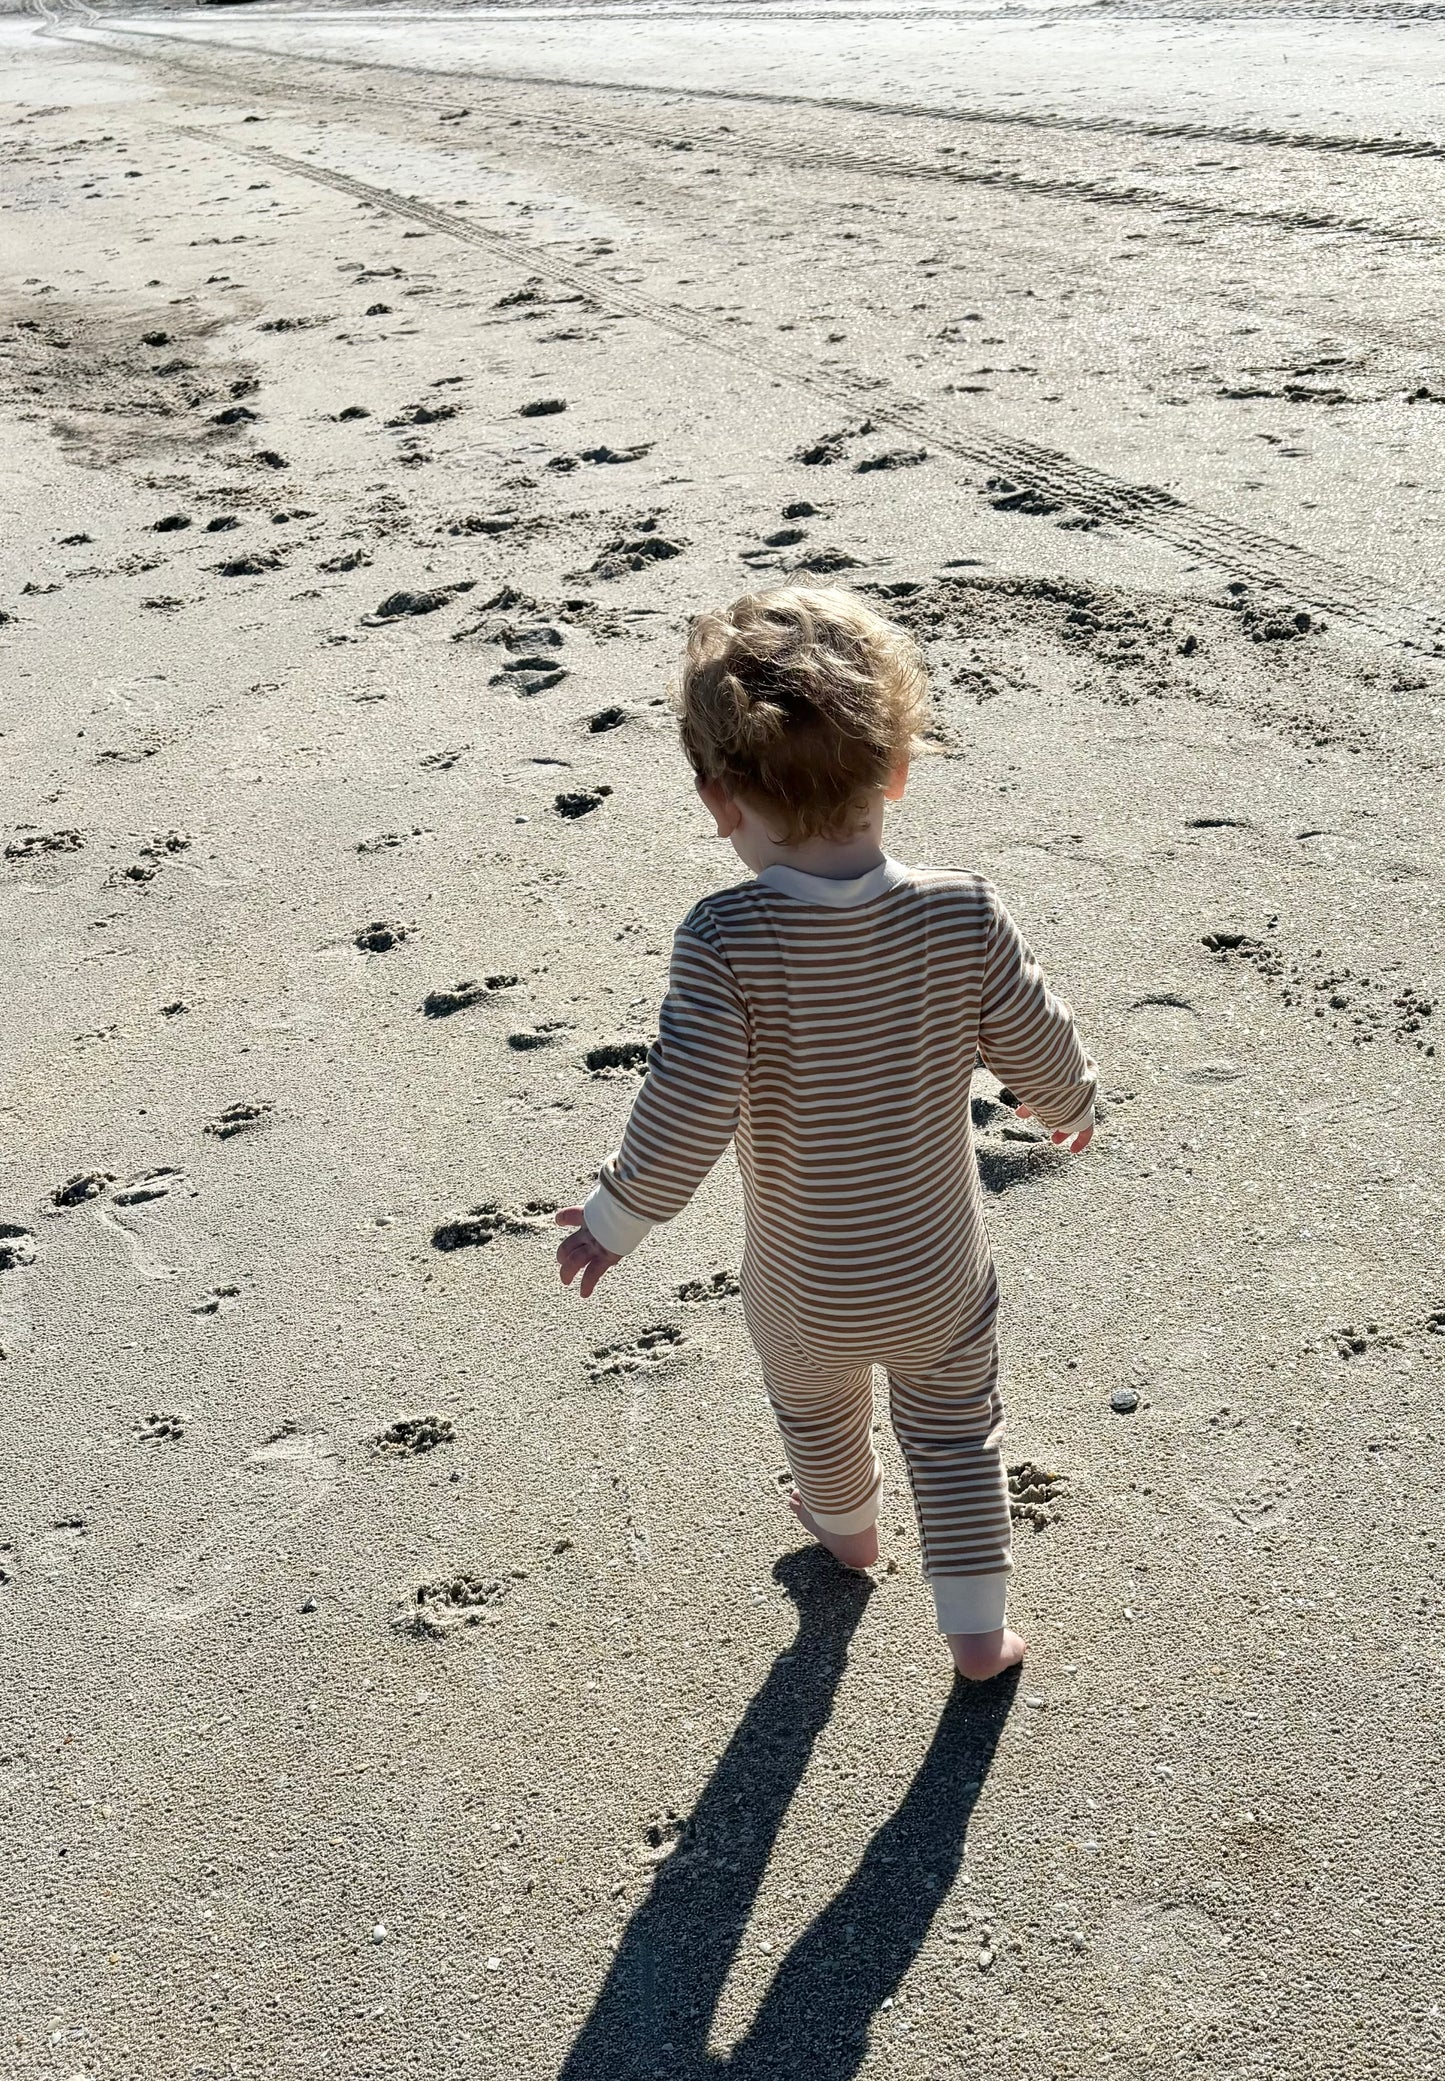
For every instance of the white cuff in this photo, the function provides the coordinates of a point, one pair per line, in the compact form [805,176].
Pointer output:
[616,1227]
[1077,1125]
[969,1603]
[851,1520]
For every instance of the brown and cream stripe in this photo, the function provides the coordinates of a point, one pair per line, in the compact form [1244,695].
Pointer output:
[831,1030]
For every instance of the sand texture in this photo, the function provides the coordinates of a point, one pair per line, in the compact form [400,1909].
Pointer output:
[410,1671]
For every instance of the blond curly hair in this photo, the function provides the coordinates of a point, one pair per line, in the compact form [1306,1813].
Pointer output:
[801,701]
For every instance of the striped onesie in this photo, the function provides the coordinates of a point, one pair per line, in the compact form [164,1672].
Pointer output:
[831,1029]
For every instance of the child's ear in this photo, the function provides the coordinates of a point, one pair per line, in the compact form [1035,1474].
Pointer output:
[897,782]
[720,806]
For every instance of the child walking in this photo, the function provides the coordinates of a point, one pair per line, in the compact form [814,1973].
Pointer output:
[826,1016]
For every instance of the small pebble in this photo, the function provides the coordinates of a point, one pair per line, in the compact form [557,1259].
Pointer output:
[378,1934]
[1124,1401]
[311,1605]
[985,1958]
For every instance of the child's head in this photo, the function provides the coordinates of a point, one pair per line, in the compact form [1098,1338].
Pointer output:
[802,703]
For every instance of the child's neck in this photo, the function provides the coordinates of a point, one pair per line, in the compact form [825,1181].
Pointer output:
[835,859]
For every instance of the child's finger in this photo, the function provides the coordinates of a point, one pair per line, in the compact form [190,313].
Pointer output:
[571,1257]
[568,1217]
[1077,1143]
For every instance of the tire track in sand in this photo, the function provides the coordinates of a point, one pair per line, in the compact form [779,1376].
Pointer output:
[1242,551]
[1050,187]
[1058,187]
[964,114]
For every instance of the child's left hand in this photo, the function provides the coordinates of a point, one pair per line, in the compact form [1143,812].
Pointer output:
[582,1252]
[1078,1143]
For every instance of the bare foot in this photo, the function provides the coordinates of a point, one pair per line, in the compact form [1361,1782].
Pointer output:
[853,1549]
[979,1656]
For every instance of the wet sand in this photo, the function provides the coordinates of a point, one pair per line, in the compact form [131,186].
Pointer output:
[412,1670]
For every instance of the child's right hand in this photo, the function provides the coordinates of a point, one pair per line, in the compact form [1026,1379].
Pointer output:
[582,1252]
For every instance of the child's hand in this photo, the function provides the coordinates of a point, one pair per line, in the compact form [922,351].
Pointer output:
[1077,1144]
[582,1252]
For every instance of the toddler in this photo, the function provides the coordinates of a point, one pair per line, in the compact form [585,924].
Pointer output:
[826,1015]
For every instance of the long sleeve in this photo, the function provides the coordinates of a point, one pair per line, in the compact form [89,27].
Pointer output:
[687,1110]
[1026,1034]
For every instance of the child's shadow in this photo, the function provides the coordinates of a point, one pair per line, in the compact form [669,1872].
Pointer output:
[652,2016]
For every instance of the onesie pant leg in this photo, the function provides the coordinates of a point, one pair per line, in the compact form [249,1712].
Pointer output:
[824,1410]
[948,1416]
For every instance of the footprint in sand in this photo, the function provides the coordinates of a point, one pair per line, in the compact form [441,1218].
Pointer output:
[438,1608]
[279,1483]
[1033,1491]
[17,1245]
[1009,1153]
[718,1287]
[606,719]
[644,1353]
[158,1249]
[17,1250]
[161,1426]
[1251,1497]
[618,1058]
[83,1186]
[1167,1029]
[484,1223]
[410,1436]
[580,802]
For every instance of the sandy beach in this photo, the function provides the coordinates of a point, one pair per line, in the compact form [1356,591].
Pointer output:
[410,1670]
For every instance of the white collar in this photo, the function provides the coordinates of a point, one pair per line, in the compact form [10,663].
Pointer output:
[835,895]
